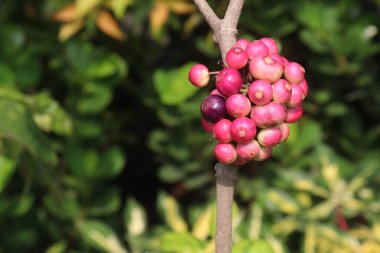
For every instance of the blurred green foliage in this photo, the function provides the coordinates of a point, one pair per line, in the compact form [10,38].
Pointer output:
[101,148]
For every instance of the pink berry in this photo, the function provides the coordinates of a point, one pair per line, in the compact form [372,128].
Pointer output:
[225,153]
[277,58]
[243,43]
[222,131]
[282,91]
[229,82]
[240,161]
[296,96]
[285,130]
[271,44]
[264,153]
[248,150]
[260,92]
[265,68]
[256,48]
[238,105]
[294,114]
[207,125]
[243,129]
[305,87]
[236,58]
[268,115]
[269,136]
[199,75]
[286,61]
[215,92]
[294,72]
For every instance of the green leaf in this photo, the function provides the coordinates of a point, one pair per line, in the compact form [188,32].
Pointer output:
[7,168]
[170,173]
[95,99]
[135,218]
[58,247]
[112,162]
[246,246]
[169,209]
[17,125]
[173,86]
[106,202]
[180,242]
[100,236]
[106,66]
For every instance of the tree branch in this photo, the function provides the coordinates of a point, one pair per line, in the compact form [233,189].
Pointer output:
[231,18]
[210,16]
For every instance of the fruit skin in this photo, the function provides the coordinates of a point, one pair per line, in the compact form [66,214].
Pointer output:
[236,58]
[248,150]
[264,153]
[238,105]
[243,130]
[294,72]
[207,125]
[277,58]
[294,114]
[243,43]
[285,130]
[213,108]
[266,68]
[260,92]
[222,131]
[296,96]
[268,115]
[271,44]
[199,75]
[256,48]
[304,86]
[225,153]
[229,82]
[282,91]
[269,136]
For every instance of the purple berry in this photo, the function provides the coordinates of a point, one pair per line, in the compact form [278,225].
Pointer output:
[260,92]
[238,105]
[213,108]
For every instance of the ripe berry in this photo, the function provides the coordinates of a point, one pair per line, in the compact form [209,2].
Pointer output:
[236,58]
[296,96]
[199,75]
[215,92]
[225,153]
[268,115]
[294,114]
[238,105]
[277,58]
[222,131]
[294,72]
[264,153]
[207,125]
[248,150]
[229,82]
[269,136]
[285,130]
[265,68]
[213,108]
[243,129]
[243,43]
[260,92]
[282,91]
[271,44]
[256,48]
[305,87]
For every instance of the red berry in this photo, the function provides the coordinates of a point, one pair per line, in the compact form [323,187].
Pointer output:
[271,44]
[236,58]
[199,75]
[243,43]
[285,130]
[282,91]
[296,96]
[222,131]
[243,129]
[225,153]
[238,105]
[294,72]
[268,115]
[248,150]
[294,114]
[213,108]
[269,136]
[207,125]
[229,82]
[305,87]
[265,68]
[277,58]
[260,92]
[256,48]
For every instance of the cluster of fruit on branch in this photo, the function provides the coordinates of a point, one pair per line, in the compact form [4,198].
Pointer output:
[256,97]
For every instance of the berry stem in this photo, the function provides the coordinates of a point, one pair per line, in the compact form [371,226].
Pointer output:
[226,176]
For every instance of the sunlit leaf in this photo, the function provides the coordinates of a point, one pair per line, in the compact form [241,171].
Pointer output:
[135,217]
[108,25]
[7,168]
[180,242]
[181,7]
[67,30]
[67,13]
[119,6]
[84,7]
[170,211]
[158,16]
[201,228]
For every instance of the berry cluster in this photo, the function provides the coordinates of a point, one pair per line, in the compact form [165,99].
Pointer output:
[254,100]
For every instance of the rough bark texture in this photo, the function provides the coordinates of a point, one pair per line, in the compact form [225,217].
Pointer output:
[225,31]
